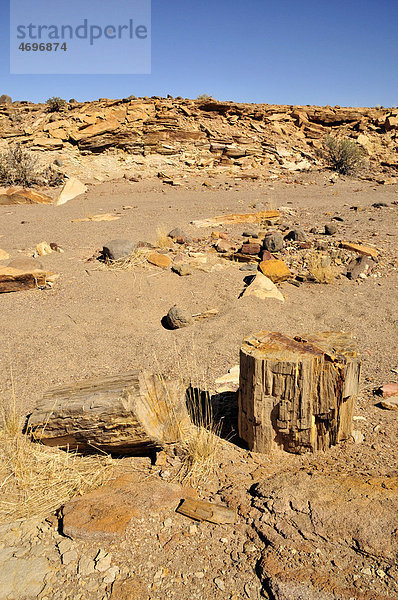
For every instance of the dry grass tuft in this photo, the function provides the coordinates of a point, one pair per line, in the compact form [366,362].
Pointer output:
[35,480]
[136,259]
[163,240]
[199,448]
[321,268]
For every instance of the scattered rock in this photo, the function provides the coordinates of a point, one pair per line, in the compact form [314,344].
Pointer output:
[253,233]
[273,242]
[182,269]
[360,248]
[224,246]
[267,255]
[296,235]
[71,189]
[4,255]
[262,287]
[251,249]
[177,318]
[159,260]
[43,249]
[58,162]
[390,403]
[330,228]
[248,267]
[9,196]
[176,233]
[359,267]
[118,249]
[25,263]
[220,584]
[357,436]
[275,270]
[389,389]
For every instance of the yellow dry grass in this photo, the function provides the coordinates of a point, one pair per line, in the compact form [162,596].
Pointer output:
[35,480]
[163,240]
[135,259]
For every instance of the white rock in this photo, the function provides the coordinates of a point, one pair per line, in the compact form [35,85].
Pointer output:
[72,188]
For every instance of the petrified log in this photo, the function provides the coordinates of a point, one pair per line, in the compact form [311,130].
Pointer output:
[15,280]
[127,414]
[297,394]
[199,510]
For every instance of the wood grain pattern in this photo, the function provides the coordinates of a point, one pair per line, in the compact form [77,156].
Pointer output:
[297,394]
[130,413]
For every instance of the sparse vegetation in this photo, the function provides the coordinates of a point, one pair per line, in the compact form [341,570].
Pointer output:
[56,104]
[36,479]
[204,97]
[21,167]
[199,447]
[344,155]
[163,240]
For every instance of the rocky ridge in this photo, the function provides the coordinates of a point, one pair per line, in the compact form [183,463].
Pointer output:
[186,135]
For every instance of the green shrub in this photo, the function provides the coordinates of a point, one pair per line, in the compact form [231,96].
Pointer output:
[56,104]
[344,155]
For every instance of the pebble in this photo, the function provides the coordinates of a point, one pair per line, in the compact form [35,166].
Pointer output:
[220,584]
[248,267]
[183,269]
[330,228]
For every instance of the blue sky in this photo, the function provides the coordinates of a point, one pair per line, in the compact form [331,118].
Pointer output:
[280,51]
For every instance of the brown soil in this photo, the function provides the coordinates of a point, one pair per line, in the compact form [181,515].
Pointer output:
[98,321]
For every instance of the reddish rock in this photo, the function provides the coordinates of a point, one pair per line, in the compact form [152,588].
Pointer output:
[250,248]
[106,512]
[267,255]
[159,260]
[389,389]
[225,246]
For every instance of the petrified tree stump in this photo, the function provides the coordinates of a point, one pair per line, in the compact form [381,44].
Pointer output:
[297,394]
[128,414]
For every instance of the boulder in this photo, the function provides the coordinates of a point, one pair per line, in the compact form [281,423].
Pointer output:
[178,317]
[159,260]
[118,249]
[276,270]
[15,195]
[72,188]
[273,242]
[4,99]
[262,287]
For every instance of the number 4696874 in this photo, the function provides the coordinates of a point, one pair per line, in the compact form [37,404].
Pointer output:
[49,47]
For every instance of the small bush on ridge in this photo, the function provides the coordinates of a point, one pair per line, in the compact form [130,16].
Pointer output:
[344,155]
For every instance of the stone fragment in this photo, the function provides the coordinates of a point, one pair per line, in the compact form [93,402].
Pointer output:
[357,436]
[43,249]
[266,255]
[159,260]
[177,318]
[360,248]
[389,389]
[104,514]
[330,228]
[251,248]
[390,403]
[23,578]
[224,246]
[118,249]
[248,267]
[4,255]
[359,267]
[276,270]
[129,589]
[25,263]
[251,233]
[220,584]
[296,235]
[262,287]
[273,242]
[14,195]
[176,233]
[71,189]
[183,269]
[86,566]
